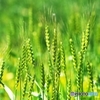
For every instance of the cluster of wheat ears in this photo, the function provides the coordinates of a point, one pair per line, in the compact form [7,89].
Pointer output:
[51,85]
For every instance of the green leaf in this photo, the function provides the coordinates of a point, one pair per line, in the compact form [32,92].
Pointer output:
[8,91]
[36,94]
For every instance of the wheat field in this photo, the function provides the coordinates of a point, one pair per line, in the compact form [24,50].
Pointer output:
[49,50]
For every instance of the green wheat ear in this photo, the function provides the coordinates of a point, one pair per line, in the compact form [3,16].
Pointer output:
[30,54]
[57,73]
[58,62]
[18,75]
[54,54]
[87,35]
[73,52]
[68,89]
[54,48]
[55,91]
[56,76]
[24,86]
[50,68]
[84,45]
[31,87]
[63,62]
[1,71]
[42,79]
[85,38]
[47,86]
[47,38]
[83,42]
[22,66]
[90,74]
